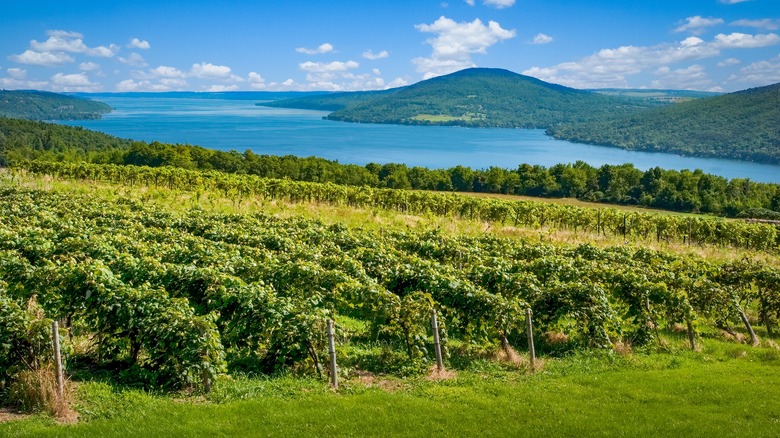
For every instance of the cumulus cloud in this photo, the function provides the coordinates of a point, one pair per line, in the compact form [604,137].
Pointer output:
[738,40]
[542,38]
[72,42]
[131,85]
[73,82]
[136,43]
[611,67]
[760,73]
[165,71]
[697,24]
[256,81]
[134,60]
[43,59]
[455,43]
[323,48]
[210,71]
[89,66]
[374,56]
[221,88]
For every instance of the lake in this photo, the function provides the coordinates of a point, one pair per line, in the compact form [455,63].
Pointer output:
[225,124]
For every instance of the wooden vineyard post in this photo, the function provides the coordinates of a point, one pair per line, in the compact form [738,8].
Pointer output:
[55,335]
[436,341]
[206,378]
[529,329]
[691,334]
[334,378]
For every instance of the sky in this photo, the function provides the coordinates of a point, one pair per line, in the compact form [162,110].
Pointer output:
[346,45]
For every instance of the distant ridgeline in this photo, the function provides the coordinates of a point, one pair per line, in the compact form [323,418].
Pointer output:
[42,105]
[743,125]
[23,140]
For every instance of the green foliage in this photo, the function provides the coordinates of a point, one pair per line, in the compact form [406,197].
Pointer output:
[477,97]
[42,105]
[742,125]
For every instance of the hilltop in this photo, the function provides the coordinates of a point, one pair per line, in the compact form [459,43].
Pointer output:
[744,125]
[478,97]
[43,105]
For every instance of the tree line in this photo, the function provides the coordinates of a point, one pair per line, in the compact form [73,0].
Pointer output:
[684,191]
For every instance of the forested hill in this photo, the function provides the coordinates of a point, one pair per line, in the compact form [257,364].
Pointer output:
[478,97]
[42,105]
[744,125]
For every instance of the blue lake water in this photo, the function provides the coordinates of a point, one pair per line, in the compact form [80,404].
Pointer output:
[239,124]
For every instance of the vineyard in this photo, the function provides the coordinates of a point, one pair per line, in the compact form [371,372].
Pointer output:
[649,227]
[176,299]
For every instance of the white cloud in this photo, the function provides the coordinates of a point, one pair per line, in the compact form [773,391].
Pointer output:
[733,2]
[256,81]
[323,48]
[73,82]
[164,71]
[221,88]
[44,59]
[611,67]
[373,56]
[17,73]
[131,85]
[456,42]
[738,40]
[398,82]
[211,71]
[760,73]
[135,43]
[542,38]
[697,24]
[729,62]
[89,66]
[470,2]
[690,78]
[321,67]
[21,84]
[134,60]
[499,4]
[72,42]
[174,83]
[766,23]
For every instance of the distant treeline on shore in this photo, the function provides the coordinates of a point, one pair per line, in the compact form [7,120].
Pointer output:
[685,191]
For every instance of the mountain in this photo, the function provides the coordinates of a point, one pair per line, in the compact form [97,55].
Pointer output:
[42,105]
[479,97]
[744,125]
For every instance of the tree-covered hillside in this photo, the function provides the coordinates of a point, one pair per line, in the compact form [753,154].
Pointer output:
[330,101]
[478,97]
[42,105]
[744,125]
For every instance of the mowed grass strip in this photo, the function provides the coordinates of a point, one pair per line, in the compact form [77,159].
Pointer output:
[738,397]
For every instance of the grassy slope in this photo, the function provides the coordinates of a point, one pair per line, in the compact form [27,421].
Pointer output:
[727,390]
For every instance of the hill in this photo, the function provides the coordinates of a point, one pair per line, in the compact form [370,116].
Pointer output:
[42,105]
[478,97]
[744,125]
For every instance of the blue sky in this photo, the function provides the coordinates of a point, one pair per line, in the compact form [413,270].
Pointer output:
[214,45]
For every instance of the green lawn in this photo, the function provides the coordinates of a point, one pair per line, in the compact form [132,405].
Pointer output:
[729,390]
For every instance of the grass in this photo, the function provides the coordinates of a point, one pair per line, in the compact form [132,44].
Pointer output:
[724,390]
